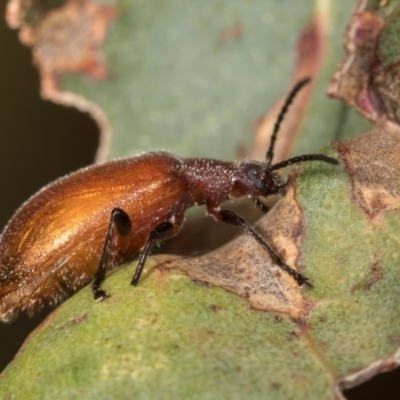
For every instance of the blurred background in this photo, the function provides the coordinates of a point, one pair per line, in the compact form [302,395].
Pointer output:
[41,141]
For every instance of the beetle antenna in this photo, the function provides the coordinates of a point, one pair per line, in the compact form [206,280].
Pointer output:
[284,109]
[306,157]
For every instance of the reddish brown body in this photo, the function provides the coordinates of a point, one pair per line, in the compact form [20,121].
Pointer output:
[53,244]
[76,228]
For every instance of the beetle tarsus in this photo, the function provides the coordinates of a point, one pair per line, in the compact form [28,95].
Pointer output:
[99,294]
[299,278]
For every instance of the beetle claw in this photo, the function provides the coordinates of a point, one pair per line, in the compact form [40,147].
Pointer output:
[304,281]
[100,295]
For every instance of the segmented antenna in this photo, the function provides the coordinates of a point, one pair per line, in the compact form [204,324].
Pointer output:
[306,157]
[288,102]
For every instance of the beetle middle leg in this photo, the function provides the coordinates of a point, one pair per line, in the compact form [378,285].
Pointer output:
[229,217]
[161,231]
[122,222]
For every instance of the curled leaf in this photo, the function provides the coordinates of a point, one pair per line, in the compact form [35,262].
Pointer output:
[368,78]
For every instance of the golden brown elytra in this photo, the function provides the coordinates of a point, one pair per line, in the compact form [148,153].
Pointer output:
[78,227]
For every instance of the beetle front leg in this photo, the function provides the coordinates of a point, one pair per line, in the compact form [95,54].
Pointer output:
[122,222]
[229,217]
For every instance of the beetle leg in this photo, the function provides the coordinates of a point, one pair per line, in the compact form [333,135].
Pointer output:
[161,231]
[122,222]
[229,217]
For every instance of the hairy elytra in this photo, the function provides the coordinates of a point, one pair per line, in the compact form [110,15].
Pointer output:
[78,227]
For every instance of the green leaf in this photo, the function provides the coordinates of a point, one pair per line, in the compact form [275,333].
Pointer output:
[190,77]
[169,338]
[174,337]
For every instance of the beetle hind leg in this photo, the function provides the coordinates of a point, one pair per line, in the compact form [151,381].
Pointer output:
[122,222]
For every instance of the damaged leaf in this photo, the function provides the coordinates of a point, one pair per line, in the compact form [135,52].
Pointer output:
[369,77]
[246,270]
[192,338]
[66,39]
[350,251]
[346,243]
[194,78]
[339,227]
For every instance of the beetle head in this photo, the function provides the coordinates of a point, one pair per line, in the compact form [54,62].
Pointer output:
[255,179]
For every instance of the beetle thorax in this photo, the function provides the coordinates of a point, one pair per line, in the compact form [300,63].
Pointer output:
[209,181]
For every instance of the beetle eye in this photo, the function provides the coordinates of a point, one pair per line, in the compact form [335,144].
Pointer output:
[254,175]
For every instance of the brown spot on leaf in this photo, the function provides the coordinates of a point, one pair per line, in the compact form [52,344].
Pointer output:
[75,321]
[233,32]
[285,227]
[367,78]
[215,307]
[275,386]
[393,339]
[79,319]
[161,274]
[376,276]
[294,334]
[375,181]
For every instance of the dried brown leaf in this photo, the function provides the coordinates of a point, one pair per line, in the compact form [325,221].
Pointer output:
[369,76]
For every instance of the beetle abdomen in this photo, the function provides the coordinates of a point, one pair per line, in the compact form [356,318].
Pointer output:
[53,243]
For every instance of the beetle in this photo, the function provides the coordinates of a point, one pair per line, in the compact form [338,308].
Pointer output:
[78,227]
